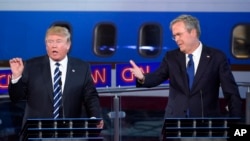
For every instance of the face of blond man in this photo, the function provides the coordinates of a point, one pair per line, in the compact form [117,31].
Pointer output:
[57,46]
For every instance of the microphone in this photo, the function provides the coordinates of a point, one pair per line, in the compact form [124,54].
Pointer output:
[60,80]
[60,83]
[202,106]
[62,105]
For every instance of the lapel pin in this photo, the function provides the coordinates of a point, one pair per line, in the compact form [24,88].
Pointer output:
[208,56]
[73,70]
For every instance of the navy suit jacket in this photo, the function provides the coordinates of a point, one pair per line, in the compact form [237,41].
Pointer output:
[202,100]
[35,87]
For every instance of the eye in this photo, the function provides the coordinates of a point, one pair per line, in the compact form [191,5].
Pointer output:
[49,41]
[59,41]
[177,35]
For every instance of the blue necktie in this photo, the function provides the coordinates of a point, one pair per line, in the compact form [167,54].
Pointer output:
[57,91]
[190,70]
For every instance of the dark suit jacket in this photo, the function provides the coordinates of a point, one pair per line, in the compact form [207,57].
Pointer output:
[212,73]
[35,86]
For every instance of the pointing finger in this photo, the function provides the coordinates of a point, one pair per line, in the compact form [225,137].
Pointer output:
[133,64]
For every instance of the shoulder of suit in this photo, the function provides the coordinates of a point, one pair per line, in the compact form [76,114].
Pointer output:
[213,50]
[38,59]
[77,61]
[174,51]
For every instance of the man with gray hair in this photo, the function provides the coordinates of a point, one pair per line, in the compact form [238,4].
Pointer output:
[195,72]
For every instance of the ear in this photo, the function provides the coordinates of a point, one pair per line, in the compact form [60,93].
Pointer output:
[68,46]
[194,32]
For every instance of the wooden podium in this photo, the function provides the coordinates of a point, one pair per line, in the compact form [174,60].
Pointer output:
[62,129]
[176,128]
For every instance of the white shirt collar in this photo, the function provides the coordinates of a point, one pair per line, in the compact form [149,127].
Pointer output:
[197,51]
[196,56]
[63,62]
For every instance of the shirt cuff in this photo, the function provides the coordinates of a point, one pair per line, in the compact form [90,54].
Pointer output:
[14,81]
[142,80]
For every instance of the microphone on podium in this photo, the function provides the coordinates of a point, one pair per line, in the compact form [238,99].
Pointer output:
[62,105]
[202,105]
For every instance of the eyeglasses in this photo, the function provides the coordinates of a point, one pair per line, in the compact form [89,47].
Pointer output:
[177,35]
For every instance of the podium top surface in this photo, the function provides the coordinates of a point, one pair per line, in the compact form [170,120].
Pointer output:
[205,118]
[63,119]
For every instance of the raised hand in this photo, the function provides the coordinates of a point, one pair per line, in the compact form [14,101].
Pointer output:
[136,71]
[16,66]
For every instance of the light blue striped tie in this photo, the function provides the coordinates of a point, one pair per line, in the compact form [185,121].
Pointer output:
[57,91]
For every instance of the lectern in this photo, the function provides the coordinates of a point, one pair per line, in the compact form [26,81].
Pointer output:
[176,128]
[62,129]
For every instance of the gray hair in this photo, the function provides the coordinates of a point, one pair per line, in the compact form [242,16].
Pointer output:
[190,23]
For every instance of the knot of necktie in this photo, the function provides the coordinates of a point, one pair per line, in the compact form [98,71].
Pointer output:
[57,64]
[190,56]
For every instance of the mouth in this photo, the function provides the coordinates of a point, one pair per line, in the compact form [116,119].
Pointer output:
[54,52]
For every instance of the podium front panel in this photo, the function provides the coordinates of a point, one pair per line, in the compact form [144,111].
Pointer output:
[197,127]
[58,129]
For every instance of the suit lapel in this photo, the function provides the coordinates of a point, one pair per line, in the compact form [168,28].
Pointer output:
[202,67]
[69,78]
[182,61]
[46,73]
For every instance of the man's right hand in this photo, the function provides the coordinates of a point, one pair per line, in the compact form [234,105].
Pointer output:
[17,67]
